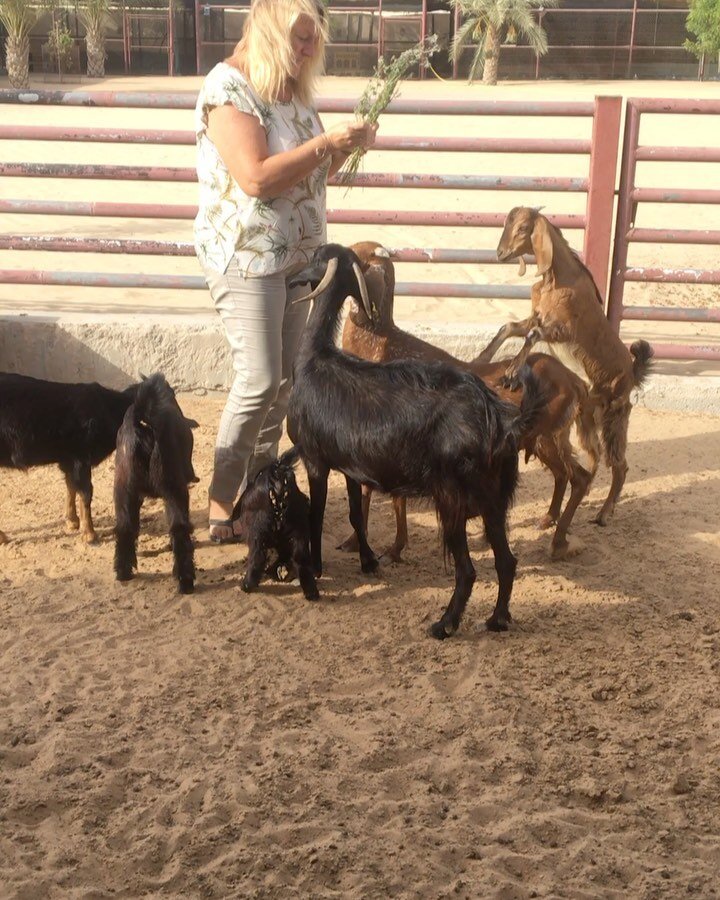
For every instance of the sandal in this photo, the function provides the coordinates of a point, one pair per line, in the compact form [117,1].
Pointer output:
[224,523]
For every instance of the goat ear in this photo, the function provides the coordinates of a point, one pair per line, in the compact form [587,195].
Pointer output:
[542,245]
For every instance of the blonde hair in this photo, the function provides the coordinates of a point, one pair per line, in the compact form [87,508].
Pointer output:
[265,55]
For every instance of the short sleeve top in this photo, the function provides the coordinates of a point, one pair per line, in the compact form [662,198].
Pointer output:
[267,235]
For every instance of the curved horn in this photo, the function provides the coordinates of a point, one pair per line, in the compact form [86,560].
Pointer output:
[363,290]
[381,252]
[326,279]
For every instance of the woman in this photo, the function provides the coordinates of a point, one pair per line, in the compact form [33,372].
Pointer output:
[263,164]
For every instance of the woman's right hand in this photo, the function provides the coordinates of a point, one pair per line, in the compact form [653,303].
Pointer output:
[346,136]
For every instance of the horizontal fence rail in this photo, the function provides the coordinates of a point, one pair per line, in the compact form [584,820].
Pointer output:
[598,186]
[630,196]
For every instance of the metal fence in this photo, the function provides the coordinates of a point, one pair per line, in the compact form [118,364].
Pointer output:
[626,232]
[598,186]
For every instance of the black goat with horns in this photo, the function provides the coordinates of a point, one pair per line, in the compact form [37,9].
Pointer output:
[408,428]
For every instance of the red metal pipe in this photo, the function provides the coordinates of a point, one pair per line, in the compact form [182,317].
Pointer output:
[670,314]
[672,236]
[625,216]
[688,351]
[673,276]
[337,217]
[113,173]
[665,195]
[154,136]
[678,154]
[51,243]
[675,105]
[601,188]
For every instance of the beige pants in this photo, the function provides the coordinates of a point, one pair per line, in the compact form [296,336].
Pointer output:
[263,328]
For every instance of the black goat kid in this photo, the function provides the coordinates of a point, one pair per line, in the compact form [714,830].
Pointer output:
[72,425]
[275,515]
[408,428]
[154,459]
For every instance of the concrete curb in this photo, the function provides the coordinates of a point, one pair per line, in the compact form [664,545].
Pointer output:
[192,353]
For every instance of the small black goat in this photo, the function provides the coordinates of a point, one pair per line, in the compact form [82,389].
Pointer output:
[72,425]
[275,515]
[154,459]
[409,428]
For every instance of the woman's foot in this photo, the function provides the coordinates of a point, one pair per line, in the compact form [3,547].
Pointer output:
[222,528]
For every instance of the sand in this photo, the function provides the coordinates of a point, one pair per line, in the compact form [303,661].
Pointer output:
[224,745]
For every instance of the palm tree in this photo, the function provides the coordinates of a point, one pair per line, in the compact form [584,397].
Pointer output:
[489,22]
[18,17]
[93,15]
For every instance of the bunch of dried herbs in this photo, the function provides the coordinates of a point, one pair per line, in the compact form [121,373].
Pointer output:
[380,91]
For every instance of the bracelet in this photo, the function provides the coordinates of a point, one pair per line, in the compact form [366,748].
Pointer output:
[322,152]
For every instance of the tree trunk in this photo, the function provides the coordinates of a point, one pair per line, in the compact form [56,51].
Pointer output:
[492,55]
[17,52]
[95,46]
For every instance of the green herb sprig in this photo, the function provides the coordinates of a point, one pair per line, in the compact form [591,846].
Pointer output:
[381,89]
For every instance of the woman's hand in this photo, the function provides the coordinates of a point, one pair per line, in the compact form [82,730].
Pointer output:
[347,136]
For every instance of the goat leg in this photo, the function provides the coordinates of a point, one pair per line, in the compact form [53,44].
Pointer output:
[510,379]
[394,551]
[257,560]
[505,566]
[508,330]
[456,543]
[72,523]
[616,418]
[127,528]
[301,558]
[350,545]
[368,560]
[317,480]
[177,512]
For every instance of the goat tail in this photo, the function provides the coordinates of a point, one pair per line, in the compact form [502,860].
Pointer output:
[532,403]
[642,354]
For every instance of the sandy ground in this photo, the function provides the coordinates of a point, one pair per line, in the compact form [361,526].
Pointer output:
[225,745]
[230,746]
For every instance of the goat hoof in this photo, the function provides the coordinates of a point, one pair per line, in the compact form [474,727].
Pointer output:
[90,538]
[4,539]
[350,545]
[247,586]
[72,525]
[440,631]
[313,595]
[370,566]
[495,623]
[601,519]
[547,521]
[511,382]
[186,586]
[124,575]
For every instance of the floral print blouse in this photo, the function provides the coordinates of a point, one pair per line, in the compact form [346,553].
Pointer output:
[269,235]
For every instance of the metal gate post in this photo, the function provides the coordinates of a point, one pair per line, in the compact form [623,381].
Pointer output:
[601,188]
[625,215]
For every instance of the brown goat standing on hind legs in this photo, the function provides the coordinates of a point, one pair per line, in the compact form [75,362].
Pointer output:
[567,308]
[566,401]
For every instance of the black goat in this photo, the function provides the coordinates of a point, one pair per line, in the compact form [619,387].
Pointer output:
[154,459]
[408,428]
[72,425]
[275,515]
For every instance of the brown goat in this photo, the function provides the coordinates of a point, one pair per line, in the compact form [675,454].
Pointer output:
[567,308]
[566,399]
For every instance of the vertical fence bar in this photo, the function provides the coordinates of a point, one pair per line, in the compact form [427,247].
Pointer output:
[198,39]
[625,215]
[601,188]
[633,26]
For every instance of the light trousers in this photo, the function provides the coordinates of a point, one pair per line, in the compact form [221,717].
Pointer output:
[263,328]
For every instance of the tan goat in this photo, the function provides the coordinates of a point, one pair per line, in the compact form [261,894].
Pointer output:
[567,308]
[566,399]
